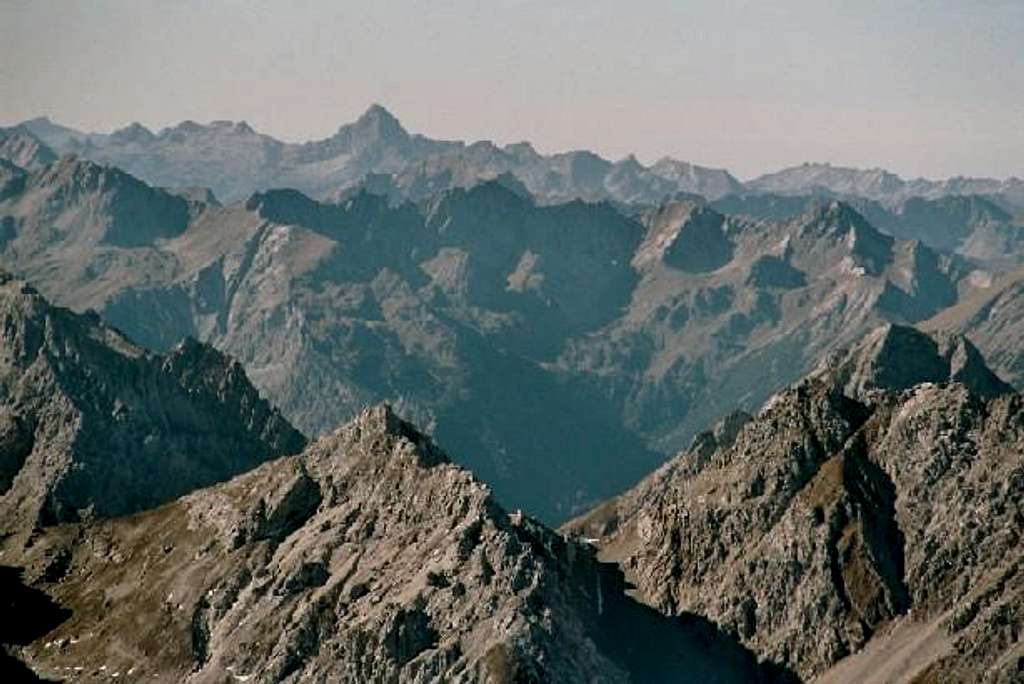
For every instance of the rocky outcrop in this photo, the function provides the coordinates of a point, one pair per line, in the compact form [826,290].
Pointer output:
[848,513]
[12,182]
[369,557]
[92,425]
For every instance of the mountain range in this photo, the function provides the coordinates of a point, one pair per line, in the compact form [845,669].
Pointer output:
[862,526]
[776,421]
[368,556]
[508,328]
[234,160]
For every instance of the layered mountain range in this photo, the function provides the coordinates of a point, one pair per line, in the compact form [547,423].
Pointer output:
[511,330]
[234,161]
[369,556]
[565,326]
[864,525]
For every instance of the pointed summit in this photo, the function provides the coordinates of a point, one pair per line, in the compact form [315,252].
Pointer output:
[52,134]
[896,357]
[837,223]
[134,132]
[377,111]
[377,124]
[687,237]
[379,432]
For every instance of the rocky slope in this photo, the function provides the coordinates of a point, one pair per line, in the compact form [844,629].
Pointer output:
[368,557]
[93,425]
[559,351]
[235,161]
[876,505]
[21,148]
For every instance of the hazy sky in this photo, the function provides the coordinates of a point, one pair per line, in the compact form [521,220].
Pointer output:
[924,87]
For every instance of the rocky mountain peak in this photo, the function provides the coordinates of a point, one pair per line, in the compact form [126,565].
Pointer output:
[630,163]
[133,133]
[285,206]
[836,214]
[347,562]
[897,357]
[376,126]
[524,151]
[838,218]
[51,133]
[188,126]
[237,127]
[835,223]
[687,236]
[93,425]
[383,434]
[707,182]
[76,174]
[831,506]
[873,183]
[104,205]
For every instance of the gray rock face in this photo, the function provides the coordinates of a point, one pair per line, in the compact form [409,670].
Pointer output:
[369,557]
[700,245]
[854,509]
[92,425]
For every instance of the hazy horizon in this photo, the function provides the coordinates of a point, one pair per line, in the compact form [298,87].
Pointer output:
[932,89]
